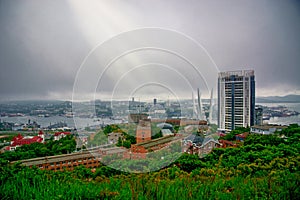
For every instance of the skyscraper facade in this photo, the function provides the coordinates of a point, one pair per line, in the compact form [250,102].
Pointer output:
[236,99]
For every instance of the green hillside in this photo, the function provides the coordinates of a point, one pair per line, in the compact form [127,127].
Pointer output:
[264,167]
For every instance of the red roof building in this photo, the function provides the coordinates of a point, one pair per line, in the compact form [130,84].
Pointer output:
[222,134]
[241,137]
[226,143]
[20,140]
[59,135]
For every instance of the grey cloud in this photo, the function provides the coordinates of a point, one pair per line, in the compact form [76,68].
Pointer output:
[43,43]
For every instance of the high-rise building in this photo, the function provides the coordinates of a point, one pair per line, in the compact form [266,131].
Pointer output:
[236,99]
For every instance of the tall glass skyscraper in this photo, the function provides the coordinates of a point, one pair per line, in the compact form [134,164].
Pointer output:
[236,99]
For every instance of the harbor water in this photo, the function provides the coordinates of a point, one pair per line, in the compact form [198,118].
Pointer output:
[85,122]
[284,120]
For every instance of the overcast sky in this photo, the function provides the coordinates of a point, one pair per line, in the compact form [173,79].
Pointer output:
[44,43]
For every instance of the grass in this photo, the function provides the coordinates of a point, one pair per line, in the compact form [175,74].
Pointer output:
[36,184]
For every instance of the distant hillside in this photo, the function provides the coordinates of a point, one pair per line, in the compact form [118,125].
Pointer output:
[279,99]
[26,102]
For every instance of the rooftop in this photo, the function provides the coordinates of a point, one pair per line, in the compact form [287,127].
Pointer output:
[157,141]
[236,73]
[268,126]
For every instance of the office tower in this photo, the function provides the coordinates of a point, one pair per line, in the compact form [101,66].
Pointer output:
[236,99]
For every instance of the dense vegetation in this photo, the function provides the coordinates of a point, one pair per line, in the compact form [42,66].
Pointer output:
[128,131]
[50,148]
[265,167]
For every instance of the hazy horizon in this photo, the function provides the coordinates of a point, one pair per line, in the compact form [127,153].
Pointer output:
[148,100]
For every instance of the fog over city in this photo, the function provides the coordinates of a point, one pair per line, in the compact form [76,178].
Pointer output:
[50,48]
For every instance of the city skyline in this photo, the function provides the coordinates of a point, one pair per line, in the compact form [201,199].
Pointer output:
[44,43]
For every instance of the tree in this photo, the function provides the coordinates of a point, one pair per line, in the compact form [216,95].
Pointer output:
[157,135]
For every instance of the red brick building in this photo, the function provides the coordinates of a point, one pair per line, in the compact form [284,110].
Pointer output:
[65,161]
[180,122]
[143,131]
[142,149]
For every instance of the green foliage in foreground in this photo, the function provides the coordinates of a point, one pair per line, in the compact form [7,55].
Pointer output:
[172,183]
[265,167]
